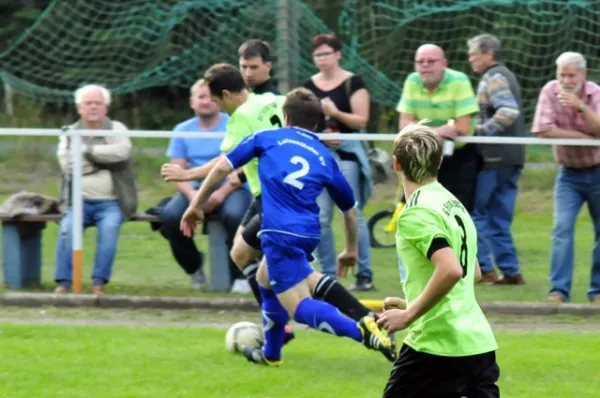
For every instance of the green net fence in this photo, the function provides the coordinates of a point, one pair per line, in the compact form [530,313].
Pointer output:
[129,45]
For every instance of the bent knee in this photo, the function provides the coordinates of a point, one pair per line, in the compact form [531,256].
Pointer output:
[169,218]
[242,255]
[262,277]
[313,279]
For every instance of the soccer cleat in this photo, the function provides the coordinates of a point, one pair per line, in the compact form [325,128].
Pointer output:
[375,339]
[289,334]
[256,355]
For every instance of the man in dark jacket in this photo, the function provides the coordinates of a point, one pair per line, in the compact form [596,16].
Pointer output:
[255,65]
[501,115]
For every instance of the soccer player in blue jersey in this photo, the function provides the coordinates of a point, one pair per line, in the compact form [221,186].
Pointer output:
[294,167]
[251,113]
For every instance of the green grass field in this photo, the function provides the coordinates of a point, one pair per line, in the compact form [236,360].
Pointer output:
[122,361]
[144,264]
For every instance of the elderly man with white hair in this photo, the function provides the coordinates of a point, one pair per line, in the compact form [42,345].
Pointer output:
[569,107]
[107,185]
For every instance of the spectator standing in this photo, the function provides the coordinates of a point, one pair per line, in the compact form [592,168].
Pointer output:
[345,101]
[500,115]
[446,98]
[569,107]
[255,64]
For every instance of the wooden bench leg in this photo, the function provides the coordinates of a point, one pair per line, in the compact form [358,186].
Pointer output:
[220,278]
[21,257]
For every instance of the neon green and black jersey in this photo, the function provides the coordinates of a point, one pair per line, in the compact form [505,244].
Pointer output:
[259,112]
[456,326]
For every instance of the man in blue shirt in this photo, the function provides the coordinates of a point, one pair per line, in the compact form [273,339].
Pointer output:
[229,203]
[294,167]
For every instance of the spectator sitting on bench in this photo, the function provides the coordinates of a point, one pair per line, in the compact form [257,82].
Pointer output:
[107,187]
[229,204]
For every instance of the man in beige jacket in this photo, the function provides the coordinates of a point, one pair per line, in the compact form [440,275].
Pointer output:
[105,204]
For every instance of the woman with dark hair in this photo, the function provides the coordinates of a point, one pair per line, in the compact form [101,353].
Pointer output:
[345,101]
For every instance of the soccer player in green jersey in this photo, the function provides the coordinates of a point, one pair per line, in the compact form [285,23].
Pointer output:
[449,350]
[249,114]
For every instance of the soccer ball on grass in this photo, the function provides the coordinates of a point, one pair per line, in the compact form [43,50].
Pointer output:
[246,334]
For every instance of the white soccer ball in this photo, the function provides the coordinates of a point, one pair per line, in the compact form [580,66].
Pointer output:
[246,334]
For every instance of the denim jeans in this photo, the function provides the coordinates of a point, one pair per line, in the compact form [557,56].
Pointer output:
[326,250]
[231,212]
[495,197]
[572,188]
[106,215]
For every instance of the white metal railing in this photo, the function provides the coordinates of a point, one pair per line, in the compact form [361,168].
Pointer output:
[76,156]
[329,136]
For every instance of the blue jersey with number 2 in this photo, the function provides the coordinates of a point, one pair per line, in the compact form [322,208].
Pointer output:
[293,167]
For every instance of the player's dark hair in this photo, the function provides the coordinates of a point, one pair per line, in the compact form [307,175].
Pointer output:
[418,149]
[255,48]
[326,39]
[220,77]
[302,108]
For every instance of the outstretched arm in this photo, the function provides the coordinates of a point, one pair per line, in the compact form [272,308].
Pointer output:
[172,172]
[216,176]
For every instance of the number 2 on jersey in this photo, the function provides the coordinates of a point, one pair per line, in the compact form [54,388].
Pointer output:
[463,256]
[293,177]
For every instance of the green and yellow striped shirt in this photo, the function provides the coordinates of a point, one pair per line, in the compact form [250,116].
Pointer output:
[453,98]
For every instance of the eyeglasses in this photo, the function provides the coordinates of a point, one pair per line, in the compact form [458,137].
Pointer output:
[427,61]
[321,55]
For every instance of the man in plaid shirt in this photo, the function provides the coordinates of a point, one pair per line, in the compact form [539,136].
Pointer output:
[569,107]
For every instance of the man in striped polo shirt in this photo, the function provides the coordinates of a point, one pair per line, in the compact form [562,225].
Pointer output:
[445,97]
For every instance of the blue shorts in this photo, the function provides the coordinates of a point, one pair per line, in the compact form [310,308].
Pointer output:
[287,259]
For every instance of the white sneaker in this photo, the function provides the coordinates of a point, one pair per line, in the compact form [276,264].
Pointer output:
[241,286]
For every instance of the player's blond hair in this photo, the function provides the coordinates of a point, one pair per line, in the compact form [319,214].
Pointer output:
[418,149]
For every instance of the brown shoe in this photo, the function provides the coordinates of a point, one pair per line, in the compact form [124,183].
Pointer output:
[511,280]
[555,298]
[60,289]
[489,277]
[97,289]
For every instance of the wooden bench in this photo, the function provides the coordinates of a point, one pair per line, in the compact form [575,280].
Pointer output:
[22,249]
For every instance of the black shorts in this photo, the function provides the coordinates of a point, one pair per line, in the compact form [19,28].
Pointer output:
[254,209]
[417,374]
[251,222]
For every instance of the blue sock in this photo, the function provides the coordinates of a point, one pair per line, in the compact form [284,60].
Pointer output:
[275,317]
[326,318]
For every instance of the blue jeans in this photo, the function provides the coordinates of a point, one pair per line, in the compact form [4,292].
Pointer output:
[495,197]
[571,188]
[231,212]
[326,250]
[106,215]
